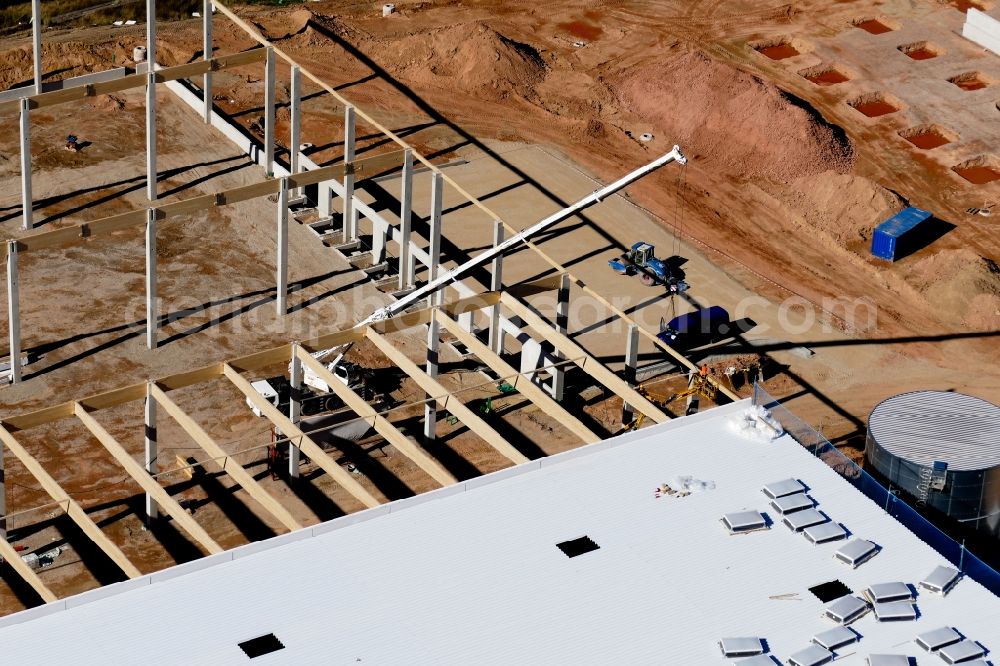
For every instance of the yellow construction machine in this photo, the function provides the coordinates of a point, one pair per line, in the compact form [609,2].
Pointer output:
[698,384]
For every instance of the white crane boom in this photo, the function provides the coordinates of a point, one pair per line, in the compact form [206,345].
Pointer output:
[675,155]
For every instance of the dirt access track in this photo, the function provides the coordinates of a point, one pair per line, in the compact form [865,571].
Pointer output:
[786,180]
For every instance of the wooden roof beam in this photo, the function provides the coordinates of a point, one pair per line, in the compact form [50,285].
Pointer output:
[73,510]
[248,362]
[381,424]
[523,384]
[224,460]
[148,483]
[300,439]
[446,400]
[187,70]
[588,363]
[363,168]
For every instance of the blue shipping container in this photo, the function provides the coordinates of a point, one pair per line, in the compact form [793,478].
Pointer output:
[885,240]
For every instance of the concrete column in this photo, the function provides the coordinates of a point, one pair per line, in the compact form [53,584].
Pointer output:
[406,267]
[434,249]
[152,316]
[350,228]
[3,498]
[151,132]
[295,410]
[562,316]
[433,334]
[151,32]
[36,42]
[496,284]
[269,83]
[430,407]
[282,260]
[151,464]
[206,41]
[631,361]
[14,311]
[323,206]
[295,133]
[379,239]
[27,217]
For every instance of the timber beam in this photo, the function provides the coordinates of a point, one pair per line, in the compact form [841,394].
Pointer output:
[249,362]
[523,384]
[224,460]
[585,361]
[188,70]
[382,426]
[73,510]
[300,439]
[363,168]
[446,400]
[163,499]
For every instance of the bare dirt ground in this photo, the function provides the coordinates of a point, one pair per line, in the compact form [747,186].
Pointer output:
[785,183]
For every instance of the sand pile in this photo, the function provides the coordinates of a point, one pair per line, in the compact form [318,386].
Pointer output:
[472,59]
[960,284]
[983,313]
[70,58]
[845,207]
[731,120]
[107,104]
[277,26]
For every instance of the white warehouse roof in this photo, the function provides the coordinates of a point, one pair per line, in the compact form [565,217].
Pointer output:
[473,574]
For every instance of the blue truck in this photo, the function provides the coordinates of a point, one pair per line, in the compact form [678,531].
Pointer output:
[641,260]
[695,328]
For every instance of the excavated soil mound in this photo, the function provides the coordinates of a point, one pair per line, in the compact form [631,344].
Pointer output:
[845,207]
[733,120]
[959,283]
[107,104]
[473,59]
[983,313]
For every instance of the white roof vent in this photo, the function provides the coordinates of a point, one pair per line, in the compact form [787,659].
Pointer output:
[825,532]
[744,521]
[895,611]
[856,552]
[961,652]
[741,647]
[885,592]
[782,488]
[846,609]
[800,520]
[941,580]
[792,503]
[813,655]
[887,660]
[934,640]
[831,639]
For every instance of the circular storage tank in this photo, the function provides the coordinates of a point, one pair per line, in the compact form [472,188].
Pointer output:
[942,449]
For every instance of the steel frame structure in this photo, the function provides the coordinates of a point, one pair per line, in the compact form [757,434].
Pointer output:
[452,314]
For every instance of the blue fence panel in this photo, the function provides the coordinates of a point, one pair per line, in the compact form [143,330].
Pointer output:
[926,531]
